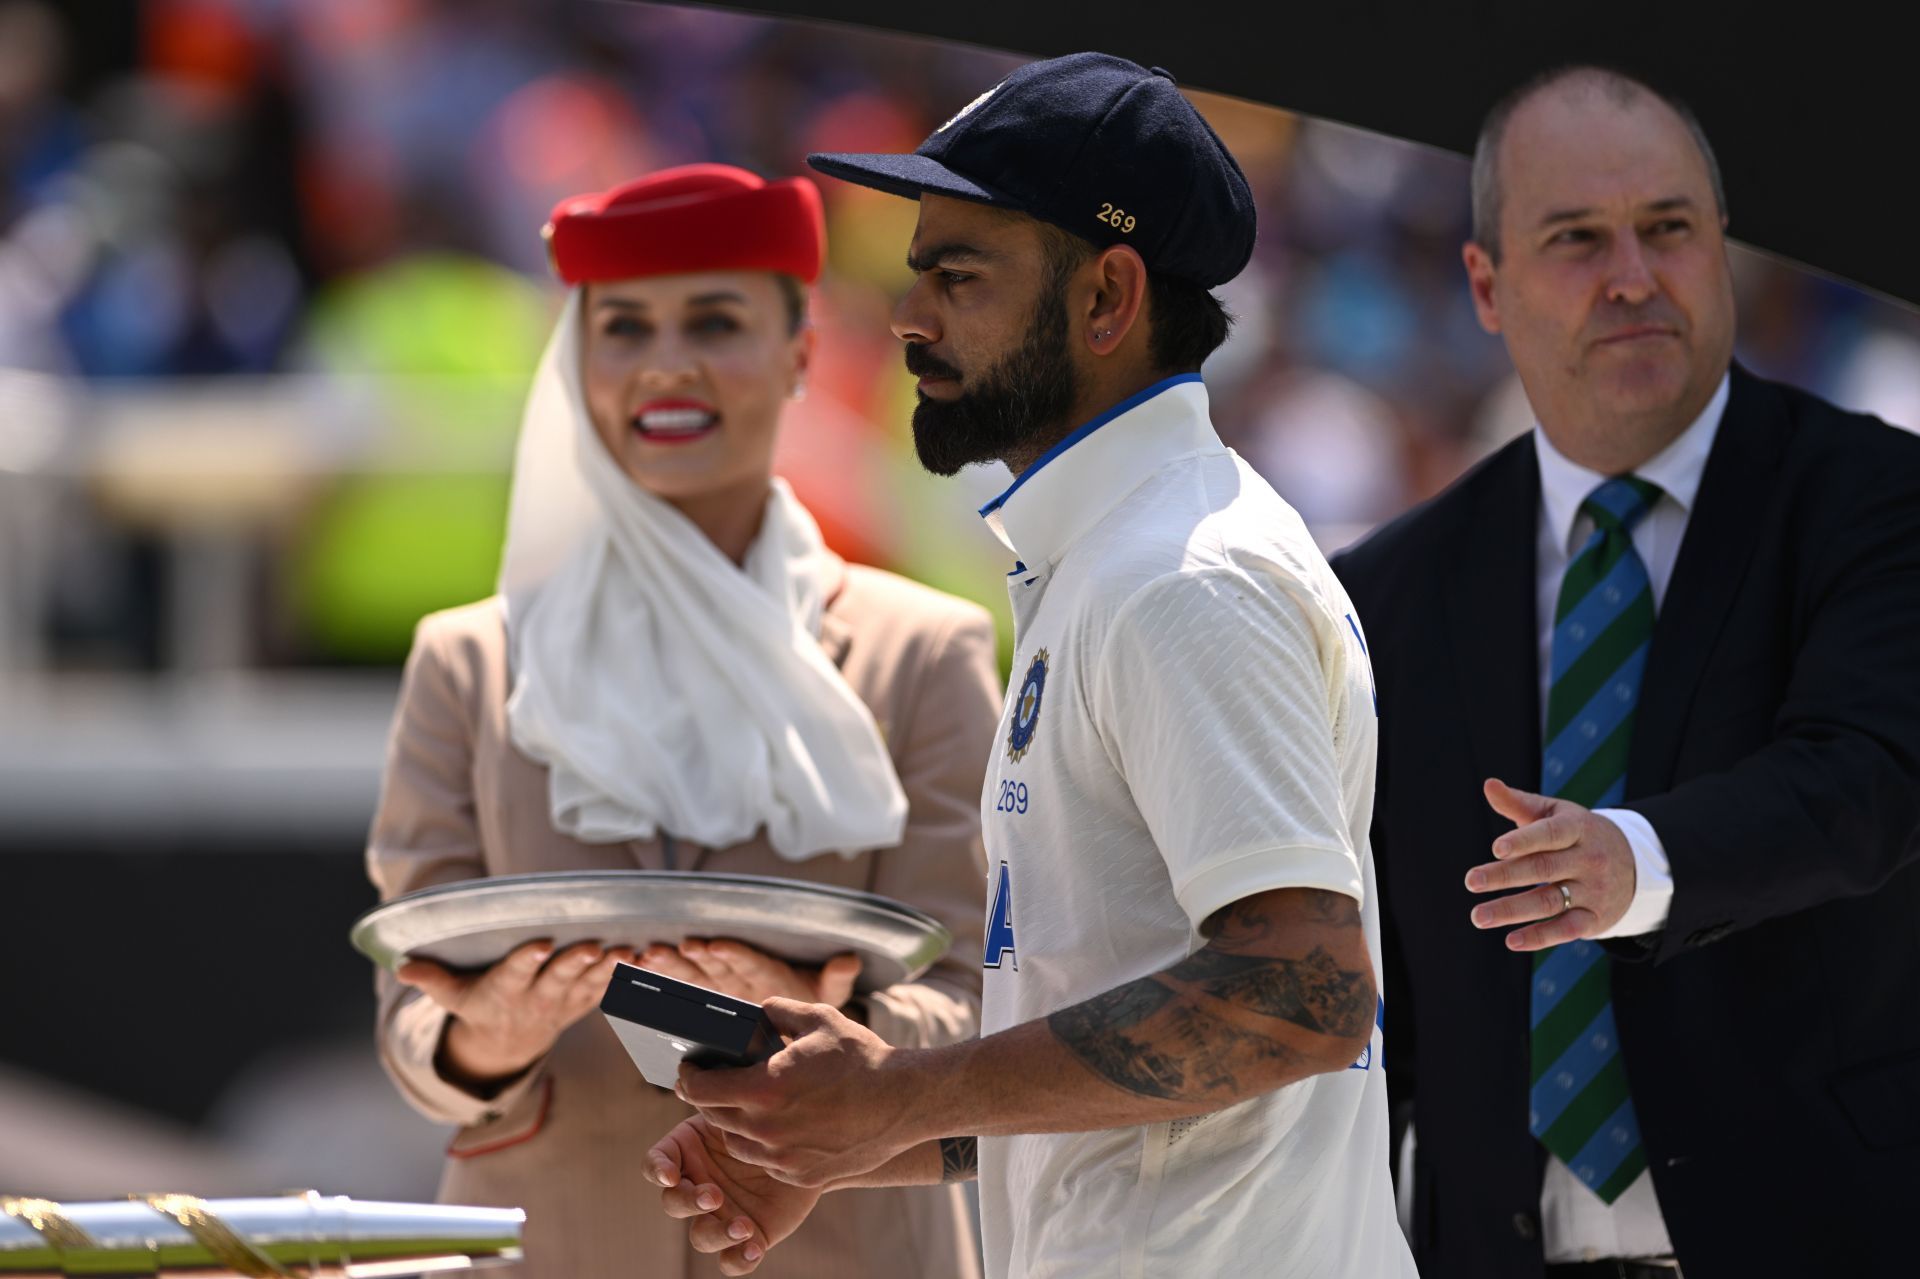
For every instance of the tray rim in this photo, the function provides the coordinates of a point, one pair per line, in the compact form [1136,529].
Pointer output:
[369,920]
[488,883]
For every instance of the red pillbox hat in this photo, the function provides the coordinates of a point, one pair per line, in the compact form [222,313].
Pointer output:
[698,217]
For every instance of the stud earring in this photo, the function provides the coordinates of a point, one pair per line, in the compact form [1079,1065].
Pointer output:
[799,391]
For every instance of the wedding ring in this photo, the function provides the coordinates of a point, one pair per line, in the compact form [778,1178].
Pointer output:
[1566,898]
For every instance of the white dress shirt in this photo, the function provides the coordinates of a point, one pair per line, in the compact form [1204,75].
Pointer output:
[1575,1224]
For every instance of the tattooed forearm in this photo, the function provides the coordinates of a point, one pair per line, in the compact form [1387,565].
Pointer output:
[1314,992]
[1244,924]
[1096,1032]
[1124,1006]
[1218,1053]
[959,1159]
[1202,1030]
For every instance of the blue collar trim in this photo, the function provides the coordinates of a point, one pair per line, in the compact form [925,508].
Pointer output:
[1132,402]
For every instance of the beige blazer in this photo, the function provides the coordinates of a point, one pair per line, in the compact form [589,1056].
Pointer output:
[567,1141]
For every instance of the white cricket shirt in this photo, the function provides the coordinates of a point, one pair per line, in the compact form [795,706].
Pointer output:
[1190,721]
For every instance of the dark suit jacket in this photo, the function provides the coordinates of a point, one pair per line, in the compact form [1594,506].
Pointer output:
[1771,1032]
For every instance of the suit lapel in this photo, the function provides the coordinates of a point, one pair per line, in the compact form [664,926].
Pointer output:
[1712,562]
[1490,606]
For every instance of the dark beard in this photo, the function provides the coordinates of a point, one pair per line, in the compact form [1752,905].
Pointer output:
[1021,399]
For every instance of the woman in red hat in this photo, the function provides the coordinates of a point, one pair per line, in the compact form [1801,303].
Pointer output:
[676,674]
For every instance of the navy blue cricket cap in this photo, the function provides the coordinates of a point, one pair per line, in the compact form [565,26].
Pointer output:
[1095,145]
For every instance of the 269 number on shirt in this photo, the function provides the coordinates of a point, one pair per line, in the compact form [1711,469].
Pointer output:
[1013,798]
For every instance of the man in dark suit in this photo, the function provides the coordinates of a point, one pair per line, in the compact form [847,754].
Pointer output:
[1662,654]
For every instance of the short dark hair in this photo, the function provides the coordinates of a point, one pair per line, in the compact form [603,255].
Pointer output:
[1618,86]
[1185,322]
[794,294]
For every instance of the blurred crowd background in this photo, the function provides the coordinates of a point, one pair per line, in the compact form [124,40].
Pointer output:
[271,287]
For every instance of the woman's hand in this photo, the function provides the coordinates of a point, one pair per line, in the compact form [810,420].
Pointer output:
[509,1016]
[734,1209]
[734,968]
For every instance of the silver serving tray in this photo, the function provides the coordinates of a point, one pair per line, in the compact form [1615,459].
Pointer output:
[474,924]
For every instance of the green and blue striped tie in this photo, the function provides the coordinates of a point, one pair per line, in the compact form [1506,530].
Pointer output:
[1602,626]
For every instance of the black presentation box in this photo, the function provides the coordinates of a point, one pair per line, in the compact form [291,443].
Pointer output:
[663,1022]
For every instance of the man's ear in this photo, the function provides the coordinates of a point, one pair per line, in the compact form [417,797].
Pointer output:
[1480,275]
[1119,294]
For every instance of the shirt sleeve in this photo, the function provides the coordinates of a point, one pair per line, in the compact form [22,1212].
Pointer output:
[1218,695]
[1652,876]
[424,833]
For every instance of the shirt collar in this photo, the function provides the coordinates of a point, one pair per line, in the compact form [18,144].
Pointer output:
[1565,484]
[1087,473]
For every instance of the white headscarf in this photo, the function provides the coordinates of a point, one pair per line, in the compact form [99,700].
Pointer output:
[667,689]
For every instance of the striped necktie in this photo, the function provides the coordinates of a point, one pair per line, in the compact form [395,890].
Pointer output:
[1602,626]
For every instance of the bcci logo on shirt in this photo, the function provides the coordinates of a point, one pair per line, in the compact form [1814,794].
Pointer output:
[1026,708]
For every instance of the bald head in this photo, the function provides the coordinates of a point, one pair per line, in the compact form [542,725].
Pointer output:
[1560,92]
